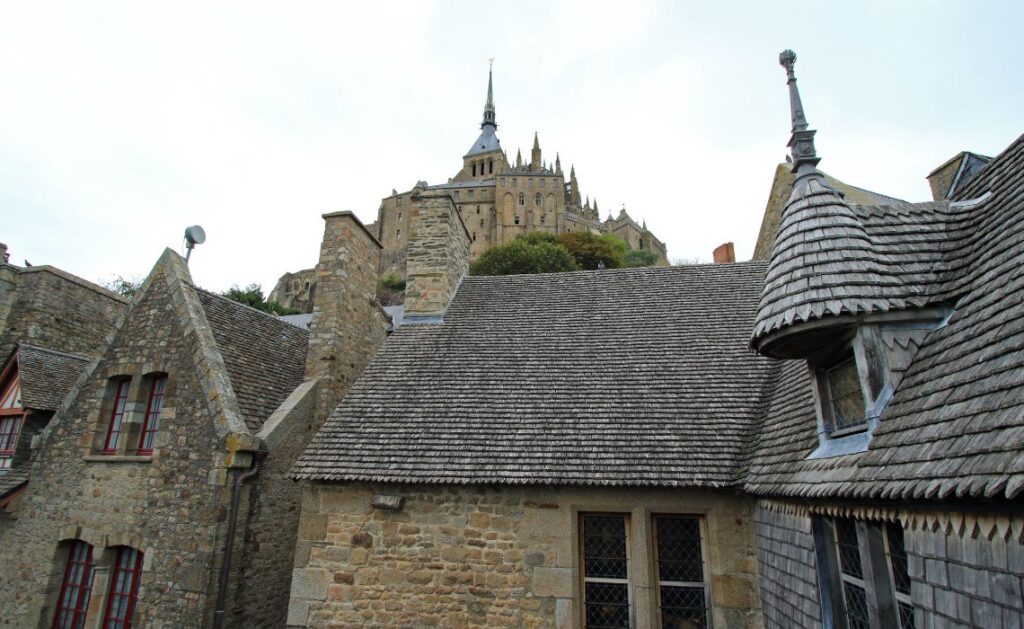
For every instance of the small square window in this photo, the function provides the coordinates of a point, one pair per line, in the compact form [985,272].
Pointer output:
[845,398]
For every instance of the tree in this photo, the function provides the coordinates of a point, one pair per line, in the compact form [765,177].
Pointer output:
[588,250]
[391,290]
[123,285]
[531,254]
[252,296]
[640,257]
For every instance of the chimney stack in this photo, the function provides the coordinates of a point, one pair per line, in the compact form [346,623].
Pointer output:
[437,257]
[347,324]
[724,254]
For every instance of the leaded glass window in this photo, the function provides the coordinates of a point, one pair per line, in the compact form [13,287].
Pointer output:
[605,571]
[896,554]
[682,595]
[845,397]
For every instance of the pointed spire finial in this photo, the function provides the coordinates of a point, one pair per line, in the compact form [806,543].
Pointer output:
[489,105]
[536,142]
[801,142]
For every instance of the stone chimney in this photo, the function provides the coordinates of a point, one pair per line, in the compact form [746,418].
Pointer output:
[437,258]
[724,254]
[347,324]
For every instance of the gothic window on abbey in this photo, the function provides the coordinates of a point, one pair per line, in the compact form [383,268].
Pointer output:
[490,167]
[537,200]
[522,198]
[474,170]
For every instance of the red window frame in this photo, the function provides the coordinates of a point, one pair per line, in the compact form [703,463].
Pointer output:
[116,417]
[124,589]
[10,417]
[75,588]
[151,424]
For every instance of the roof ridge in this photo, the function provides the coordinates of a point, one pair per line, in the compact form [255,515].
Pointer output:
[51,351]
[269,317]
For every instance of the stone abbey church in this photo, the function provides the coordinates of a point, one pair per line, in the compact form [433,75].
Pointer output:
[498,200]
[829,435]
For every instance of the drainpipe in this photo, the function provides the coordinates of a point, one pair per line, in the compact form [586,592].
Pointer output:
[225,567]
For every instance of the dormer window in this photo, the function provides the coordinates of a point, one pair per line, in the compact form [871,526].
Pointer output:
[855,376]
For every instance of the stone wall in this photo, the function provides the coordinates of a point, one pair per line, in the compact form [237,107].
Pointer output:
[164,505]
[438,255]
[348,325]
[789,578]
[270,517]
[57,310]
[495,557]
[296,290]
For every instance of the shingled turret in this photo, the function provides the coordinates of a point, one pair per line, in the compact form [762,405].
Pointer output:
[823,266]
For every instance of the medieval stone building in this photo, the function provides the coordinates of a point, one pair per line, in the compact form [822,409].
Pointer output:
[829,437]
[158,495]
[52,323]
[603,448]
[498,199]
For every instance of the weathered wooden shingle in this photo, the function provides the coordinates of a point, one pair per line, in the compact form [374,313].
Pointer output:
[265,356]
[46,376]
[955,425]
[617,377]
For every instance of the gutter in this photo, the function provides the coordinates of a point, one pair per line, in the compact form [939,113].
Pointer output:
[229,542]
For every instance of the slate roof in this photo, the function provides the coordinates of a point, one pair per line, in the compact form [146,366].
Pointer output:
[487,142]
[616,377]
[46,376]
[265,356]
[12,479]
[955,425]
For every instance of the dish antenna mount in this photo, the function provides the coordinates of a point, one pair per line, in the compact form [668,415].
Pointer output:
[194,235]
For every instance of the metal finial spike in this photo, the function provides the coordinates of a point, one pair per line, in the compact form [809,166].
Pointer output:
[801,142]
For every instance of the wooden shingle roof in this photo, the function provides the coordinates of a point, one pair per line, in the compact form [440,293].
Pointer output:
[617,377]
[955,425]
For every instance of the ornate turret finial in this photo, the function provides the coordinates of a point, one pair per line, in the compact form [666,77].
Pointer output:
[519,158]
[558,164]
[801,142]
[489,106]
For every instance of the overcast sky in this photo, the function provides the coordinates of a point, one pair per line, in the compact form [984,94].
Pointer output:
[121,124]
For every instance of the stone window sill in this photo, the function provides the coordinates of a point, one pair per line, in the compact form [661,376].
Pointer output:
[119,458]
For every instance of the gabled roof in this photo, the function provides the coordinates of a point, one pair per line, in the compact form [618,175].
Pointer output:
[46,376]
[955,425]
[622,377]
[265,356]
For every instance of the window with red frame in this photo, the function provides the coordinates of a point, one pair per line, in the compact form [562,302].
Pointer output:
[75,588]
[116,416]
[11,414]
[124,589]
[152,421]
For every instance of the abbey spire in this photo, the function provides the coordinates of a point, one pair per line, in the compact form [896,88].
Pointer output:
[489,105]
[535,157]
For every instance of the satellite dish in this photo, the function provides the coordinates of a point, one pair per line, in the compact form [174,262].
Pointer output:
[195,235]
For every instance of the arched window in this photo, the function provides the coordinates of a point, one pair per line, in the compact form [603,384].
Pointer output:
[474,169]
[537,200]
[522,199]
[490,167]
